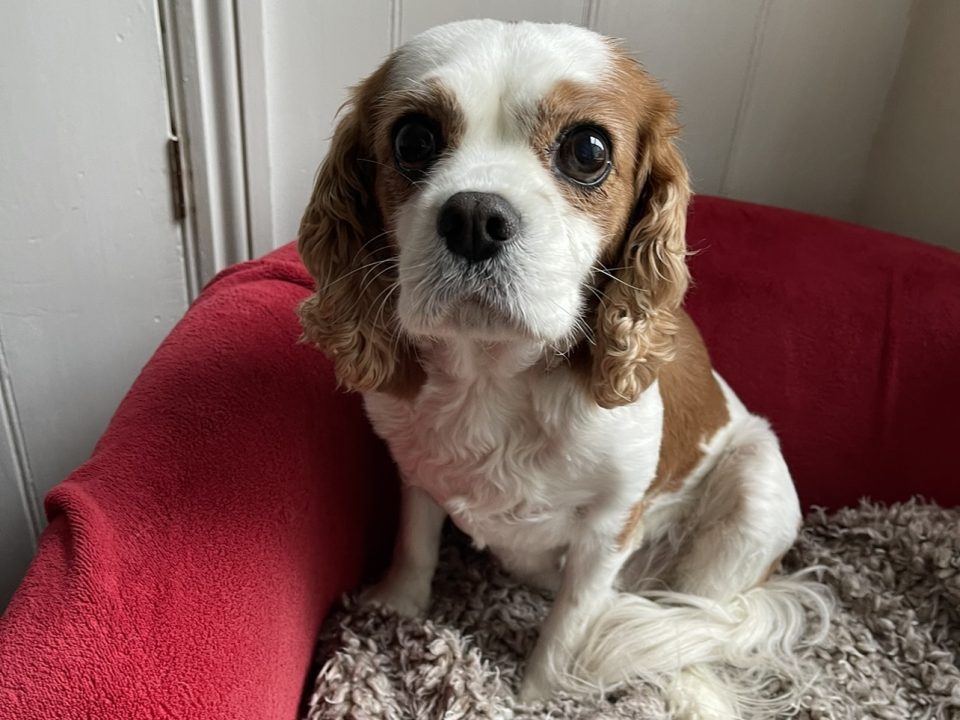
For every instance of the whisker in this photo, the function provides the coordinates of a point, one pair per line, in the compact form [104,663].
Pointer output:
[365,284]
[601,296]
[386,297]
[616,279]
[578,322]
[377,237]
[360,293]
[365,266]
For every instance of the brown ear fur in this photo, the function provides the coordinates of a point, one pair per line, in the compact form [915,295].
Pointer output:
[344,246]
[637,319]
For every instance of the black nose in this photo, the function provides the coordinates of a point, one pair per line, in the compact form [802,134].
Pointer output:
[476,225]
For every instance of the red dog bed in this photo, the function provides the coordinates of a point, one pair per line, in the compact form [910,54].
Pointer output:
[187,566]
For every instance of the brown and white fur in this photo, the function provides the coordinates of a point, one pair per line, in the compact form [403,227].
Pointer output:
[554,400]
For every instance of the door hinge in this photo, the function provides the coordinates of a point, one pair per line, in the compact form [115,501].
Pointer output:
[176,179]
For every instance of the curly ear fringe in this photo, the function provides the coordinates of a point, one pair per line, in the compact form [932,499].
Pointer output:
[637,320]
[351,316]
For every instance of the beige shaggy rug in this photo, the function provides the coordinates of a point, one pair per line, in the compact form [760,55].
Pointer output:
[890,654]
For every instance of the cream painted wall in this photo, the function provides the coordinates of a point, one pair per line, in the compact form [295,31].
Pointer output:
[312,53]
[820,74]
[912,183]
[780,99]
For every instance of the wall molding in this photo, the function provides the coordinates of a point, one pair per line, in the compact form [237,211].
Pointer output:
[591,13]
[396,24]
[202,54]
[746,95]
[254,108]
[13,453]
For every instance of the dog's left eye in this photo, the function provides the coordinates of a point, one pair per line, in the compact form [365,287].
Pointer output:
[415,144]
[583,156]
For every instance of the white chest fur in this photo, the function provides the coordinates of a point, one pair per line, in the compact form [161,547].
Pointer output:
[518,457]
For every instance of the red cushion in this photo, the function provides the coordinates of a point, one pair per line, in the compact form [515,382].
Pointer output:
[846,338]
[187,566]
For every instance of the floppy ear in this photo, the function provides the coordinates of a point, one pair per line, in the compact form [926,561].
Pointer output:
[636,322]
[344,246]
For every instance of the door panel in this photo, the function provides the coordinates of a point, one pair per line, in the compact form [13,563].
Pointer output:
[91,266]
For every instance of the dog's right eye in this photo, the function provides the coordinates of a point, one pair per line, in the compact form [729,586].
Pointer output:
[415,144]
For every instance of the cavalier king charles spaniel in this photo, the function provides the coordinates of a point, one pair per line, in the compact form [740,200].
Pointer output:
[497,238]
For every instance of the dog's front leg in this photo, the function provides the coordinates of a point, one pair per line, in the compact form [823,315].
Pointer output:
[406,588]
[589,572]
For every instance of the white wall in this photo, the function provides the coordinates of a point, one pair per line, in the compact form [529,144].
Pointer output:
[912,184]
[812,103]
[91,272]
[313,52]
[703,53]
[780,99]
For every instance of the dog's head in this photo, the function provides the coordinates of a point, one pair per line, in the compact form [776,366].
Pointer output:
[504,182]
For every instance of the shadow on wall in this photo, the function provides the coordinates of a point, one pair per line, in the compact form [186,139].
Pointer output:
[912,184]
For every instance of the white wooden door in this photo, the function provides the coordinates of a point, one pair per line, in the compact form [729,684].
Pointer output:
[91,257]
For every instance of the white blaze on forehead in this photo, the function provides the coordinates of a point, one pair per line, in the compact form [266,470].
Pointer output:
[496,69]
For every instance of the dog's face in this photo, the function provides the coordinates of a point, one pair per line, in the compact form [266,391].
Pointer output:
[502,182]
[515,178]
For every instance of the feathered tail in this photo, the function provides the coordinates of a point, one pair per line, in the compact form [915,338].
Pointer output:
[730,660]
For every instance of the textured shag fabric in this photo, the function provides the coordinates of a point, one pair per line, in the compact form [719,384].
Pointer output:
[890,653]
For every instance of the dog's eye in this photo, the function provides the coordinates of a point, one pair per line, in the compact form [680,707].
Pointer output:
[415,144]
[583,156]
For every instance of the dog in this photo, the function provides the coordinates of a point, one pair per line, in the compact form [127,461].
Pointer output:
[497,236]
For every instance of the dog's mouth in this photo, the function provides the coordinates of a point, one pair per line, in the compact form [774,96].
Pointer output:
[476,317]
[441,297]
[475,312]
[468,315]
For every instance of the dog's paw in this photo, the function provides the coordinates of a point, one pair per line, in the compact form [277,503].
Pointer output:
[407,597]
[535,688]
